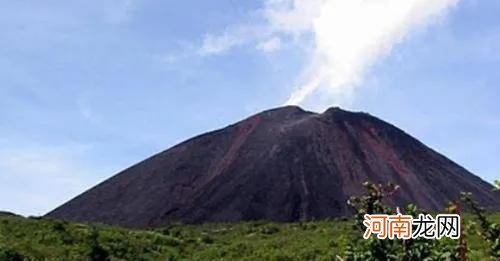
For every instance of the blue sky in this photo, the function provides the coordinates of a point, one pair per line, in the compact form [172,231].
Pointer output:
[89,88]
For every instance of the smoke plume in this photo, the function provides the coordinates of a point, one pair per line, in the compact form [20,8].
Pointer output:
[350,36]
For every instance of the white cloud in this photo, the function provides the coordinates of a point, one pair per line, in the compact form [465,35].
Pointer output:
[269,46]
[231,37]
[218,44]
[292,16]
[349,37]
[279,20]
[36,178]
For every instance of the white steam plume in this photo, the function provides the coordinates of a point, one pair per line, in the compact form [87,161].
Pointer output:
[350,35]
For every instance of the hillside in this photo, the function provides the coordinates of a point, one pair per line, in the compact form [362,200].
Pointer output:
[47,239]
[284,164]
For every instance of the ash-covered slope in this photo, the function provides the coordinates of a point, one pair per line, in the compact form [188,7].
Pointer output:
[284,164]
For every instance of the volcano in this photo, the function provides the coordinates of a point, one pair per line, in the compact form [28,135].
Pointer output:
[284,164]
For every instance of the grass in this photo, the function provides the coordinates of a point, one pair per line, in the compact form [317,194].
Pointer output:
[47,239]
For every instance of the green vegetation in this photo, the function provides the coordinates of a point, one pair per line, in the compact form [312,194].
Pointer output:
[497,185]
[479,240]
[46,239]
[341,239]
[36,239]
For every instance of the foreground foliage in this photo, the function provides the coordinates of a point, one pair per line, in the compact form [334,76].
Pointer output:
[479,240]
[46,239]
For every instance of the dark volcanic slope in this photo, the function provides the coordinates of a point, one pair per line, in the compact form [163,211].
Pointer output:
[284,164]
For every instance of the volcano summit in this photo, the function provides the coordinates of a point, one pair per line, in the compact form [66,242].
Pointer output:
[284,164]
